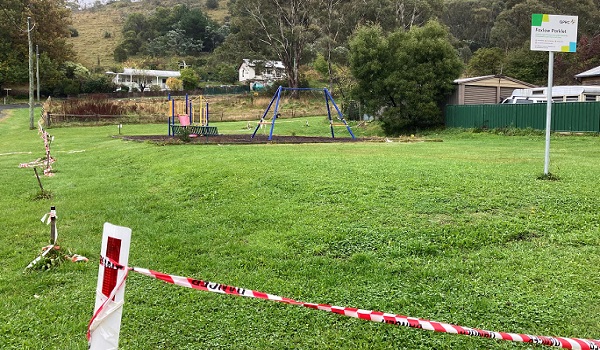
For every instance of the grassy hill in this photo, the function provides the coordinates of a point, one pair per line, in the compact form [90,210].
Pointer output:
[99,27]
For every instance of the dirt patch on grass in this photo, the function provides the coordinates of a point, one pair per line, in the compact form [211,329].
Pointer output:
[241,139]
[262,139]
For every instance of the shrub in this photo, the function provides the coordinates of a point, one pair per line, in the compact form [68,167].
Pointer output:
[212,4]
[74,32]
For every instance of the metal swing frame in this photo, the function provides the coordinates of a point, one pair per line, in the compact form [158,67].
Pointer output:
[277,97]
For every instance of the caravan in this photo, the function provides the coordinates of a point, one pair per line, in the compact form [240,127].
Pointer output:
[559,94]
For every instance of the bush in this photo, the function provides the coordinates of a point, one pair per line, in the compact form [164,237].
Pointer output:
[120,54]
[212,4]
[98,83]
[74,32]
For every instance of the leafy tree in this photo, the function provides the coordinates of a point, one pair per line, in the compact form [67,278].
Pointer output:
[321,66]
[471,21]
[527,65]
[568,64]
[227,73]
[120,54]
[285,28]
[486,61]
[405,76]
[50,21]
[189,78]
[169,31]
[513,26]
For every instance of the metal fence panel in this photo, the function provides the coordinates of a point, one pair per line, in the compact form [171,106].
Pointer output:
[570,116]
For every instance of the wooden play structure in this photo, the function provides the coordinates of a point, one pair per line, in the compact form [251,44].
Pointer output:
[189,116]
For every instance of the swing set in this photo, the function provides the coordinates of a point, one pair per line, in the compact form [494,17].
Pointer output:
[328,99]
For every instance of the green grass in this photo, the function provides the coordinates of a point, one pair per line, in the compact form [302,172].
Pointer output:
[459,231]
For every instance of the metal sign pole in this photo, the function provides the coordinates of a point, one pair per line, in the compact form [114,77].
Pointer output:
[549,111]
[552,33]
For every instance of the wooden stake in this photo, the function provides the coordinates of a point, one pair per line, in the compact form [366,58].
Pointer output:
[38,178]
[52,225]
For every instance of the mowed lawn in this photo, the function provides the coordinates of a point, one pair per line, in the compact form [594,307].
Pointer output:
[459,231]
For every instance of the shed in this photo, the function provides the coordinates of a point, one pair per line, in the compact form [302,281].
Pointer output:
[488,89]
[589,77]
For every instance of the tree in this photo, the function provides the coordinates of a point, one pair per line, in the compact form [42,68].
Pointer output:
[486,61]
[527,65]
[178,31]
[513,26]
[471,21]
[284,26]
[568,64]
[189,79]
[51,21]
[405,76]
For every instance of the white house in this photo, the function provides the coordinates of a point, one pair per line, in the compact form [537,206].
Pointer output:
[143,78]
[261,71]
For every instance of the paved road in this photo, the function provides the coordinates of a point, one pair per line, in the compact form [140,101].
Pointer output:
[20,105]
[13,106]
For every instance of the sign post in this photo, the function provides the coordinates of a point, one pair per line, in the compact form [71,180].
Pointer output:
[552,33]
[106,324]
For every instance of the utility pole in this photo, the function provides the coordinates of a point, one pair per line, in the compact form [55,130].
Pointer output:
[37,71]
[29,29]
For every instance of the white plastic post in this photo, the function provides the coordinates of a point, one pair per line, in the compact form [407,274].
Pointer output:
[105,328]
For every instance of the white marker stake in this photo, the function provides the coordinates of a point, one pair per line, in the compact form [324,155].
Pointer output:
[106,326]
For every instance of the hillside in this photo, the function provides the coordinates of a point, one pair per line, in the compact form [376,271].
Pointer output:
[99,27]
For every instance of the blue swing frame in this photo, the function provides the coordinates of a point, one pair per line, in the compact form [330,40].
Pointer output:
[277,97]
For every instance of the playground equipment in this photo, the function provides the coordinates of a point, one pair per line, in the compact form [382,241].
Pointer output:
[192,116]
[328,99]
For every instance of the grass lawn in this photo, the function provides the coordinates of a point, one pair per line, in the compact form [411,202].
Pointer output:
[459,231]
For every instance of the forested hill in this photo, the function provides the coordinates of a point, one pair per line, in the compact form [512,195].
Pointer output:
[491,36]
[98,26]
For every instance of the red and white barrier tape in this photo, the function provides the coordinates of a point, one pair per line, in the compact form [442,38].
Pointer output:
[374,316]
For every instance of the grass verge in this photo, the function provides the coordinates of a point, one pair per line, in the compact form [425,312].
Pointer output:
[459,231]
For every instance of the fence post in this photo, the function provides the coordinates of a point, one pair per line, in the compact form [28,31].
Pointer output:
[52,224]
[105,325]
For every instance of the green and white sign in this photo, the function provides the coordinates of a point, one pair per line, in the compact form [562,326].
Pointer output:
[553,33]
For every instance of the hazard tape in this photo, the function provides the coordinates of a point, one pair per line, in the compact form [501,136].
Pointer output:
[368,315]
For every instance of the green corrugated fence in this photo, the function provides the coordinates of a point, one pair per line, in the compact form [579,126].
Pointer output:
[569,116]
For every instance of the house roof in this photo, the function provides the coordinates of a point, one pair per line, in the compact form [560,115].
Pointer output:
[594,72]
[268,64]
[151,72]
[482,79]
